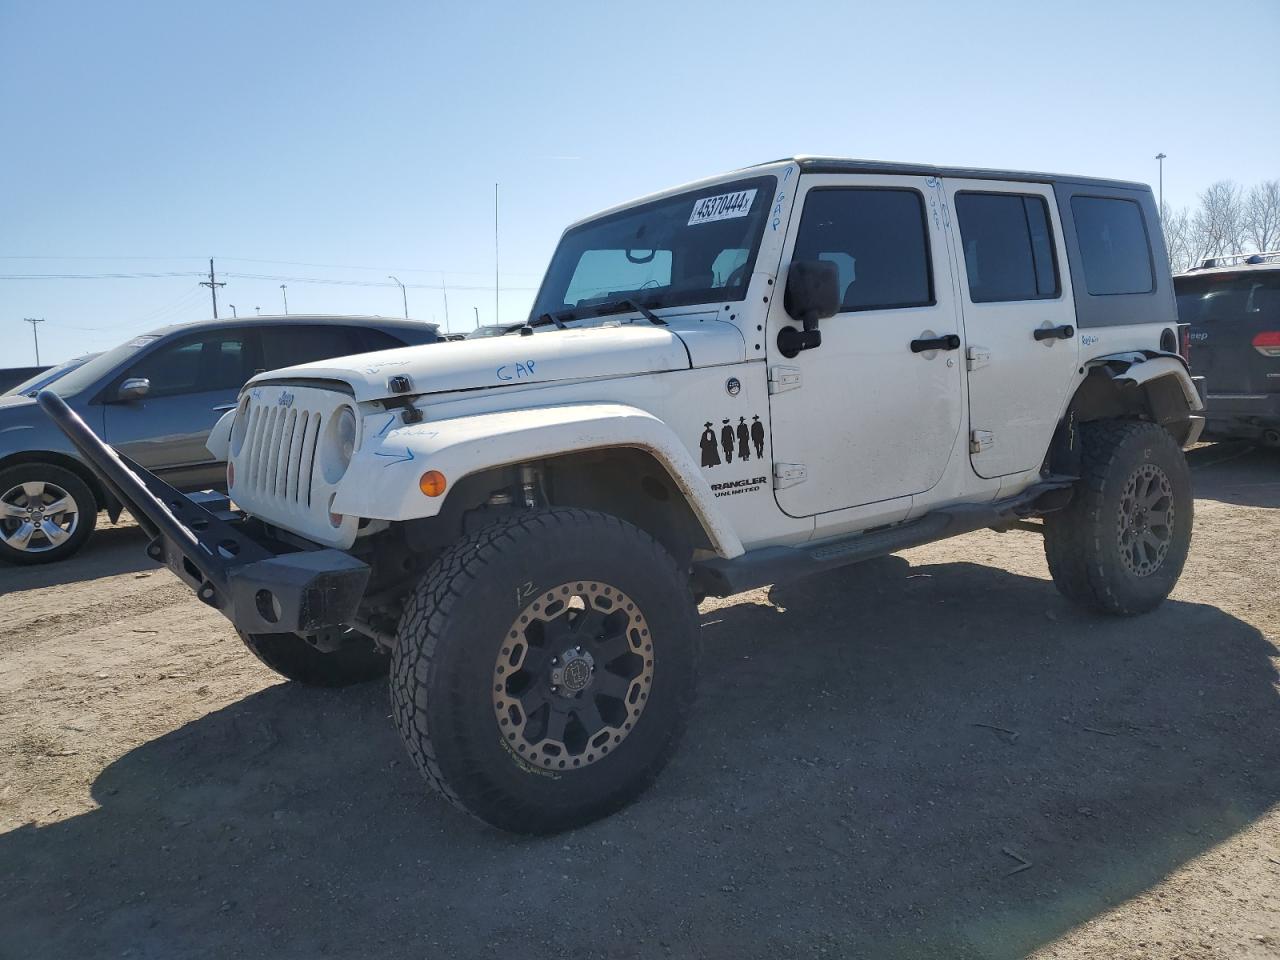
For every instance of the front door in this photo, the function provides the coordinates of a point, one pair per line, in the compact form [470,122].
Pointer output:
[1019,320]
[866,417]
[193,381]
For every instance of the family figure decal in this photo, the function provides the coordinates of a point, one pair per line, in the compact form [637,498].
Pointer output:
[740,439]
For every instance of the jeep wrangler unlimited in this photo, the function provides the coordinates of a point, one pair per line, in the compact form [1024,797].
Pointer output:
[787,369]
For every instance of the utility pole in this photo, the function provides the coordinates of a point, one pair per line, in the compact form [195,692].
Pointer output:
[477,310]
[495,253]
[1160,158]
[213,285]
[404,295]
[33,321]
[258,311]
[444,288]
[234,315]
[284,292]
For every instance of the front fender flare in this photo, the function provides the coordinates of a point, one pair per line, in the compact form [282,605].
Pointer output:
[382,480]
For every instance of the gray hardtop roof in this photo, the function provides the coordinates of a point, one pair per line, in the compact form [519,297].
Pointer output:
[810,164]
[385,323]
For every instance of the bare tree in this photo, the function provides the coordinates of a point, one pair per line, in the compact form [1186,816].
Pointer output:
[1217,227]
[1177,238]
[1262,215]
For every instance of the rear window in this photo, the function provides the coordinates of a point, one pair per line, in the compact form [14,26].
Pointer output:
[1228,298]
[1114,249]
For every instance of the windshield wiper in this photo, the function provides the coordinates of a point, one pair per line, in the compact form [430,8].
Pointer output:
[625,303]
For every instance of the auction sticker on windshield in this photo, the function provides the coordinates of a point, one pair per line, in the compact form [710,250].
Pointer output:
[726,206]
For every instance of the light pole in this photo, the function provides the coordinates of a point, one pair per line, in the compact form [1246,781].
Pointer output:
[284,292]
[403,295]
[444,288]
[1160,160]
[234,315]
[258,311]
[33,321]
[477,310]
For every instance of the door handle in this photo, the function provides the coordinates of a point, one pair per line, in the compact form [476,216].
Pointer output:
[1064,332]
[224,407]
[948,341]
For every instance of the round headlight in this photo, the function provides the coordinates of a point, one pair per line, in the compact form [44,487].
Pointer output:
[339,445]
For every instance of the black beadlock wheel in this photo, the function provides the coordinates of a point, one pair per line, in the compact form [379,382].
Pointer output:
[357,660]
[1120,546]
[544,668]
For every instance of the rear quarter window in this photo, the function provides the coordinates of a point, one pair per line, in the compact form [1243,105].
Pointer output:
[1115,250]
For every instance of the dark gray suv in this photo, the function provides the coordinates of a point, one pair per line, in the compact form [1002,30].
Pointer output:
[155,398]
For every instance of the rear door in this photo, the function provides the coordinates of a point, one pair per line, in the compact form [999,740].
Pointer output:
[1235,331]
[1019,320]
[293,343]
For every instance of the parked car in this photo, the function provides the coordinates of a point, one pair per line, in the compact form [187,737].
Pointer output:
[492,330]
[155,399]
[807,364]
[33,385]
[1232,308]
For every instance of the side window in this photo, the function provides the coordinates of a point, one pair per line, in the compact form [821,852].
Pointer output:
[1008,247]
[192,366]
[1114,248]
[290,344]
[371,340]
[876,238]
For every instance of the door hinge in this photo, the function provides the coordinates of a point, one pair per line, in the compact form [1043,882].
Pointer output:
[789,474]
[980,440]
[978,357]
[782,379]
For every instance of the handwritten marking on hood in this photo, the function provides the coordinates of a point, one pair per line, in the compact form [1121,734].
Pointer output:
[520,370]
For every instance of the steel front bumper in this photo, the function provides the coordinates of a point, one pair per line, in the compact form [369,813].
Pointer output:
[233,564]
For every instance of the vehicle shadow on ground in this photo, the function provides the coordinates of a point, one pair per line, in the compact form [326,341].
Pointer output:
[111,550]
[1234,471]
[875,755]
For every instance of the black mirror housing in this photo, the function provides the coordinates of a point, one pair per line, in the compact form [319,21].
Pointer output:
[813,291]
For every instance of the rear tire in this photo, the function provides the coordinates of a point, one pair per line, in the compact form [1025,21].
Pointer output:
[545,667]
[356,661]
[32,527]
[1120,545]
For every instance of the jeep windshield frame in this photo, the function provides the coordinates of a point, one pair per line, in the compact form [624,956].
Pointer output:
[697,246]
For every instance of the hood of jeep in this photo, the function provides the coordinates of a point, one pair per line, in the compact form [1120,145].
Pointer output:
[502,362]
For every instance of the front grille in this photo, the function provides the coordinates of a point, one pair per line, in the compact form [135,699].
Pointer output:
[278,455]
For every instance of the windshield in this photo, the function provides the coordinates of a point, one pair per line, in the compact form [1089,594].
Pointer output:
[1228,296]
[46,377]
[94,370]
[695,247]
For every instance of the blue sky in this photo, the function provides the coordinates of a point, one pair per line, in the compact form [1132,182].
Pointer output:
[146,137]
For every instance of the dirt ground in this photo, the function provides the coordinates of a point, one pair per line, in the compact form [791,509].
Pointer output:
[927,756]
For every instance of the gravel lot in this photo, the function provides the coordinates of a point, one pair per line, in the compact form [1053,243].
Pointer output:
[927,756]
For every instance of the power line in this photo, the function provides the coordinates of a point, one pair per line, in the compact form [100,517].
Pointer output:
[275,278]
[290,263]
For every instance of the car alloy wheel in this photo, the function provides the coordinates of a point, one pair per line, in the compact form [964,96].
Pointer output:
[37,516]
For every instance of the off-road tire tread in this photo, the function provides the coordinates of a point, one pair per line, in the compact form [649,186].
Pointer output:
[1074,538]
[430,607]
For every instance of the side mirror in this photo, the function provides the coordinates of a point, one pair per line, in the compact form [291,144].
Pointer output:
[135,388]
[812,294]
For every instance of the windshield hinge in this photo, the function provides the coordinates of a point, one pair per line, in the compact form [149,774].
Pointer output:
[782,379]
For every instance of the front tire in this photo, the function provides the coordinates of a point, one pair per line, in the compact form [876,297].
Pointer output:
[357,660]
[1120,545]
[46,513]
[545,667]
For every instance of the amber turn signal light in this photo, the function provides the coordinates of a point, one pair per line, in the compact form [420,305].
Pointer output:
[432,483]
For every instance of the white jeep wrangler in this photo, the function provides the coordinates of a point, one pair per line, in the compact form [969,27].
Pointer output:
[786,369]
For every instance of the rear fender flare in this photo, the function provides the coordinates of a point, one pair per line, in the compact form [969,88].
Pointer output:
[382,480]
